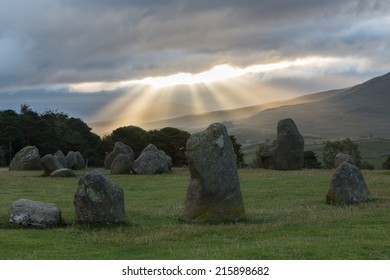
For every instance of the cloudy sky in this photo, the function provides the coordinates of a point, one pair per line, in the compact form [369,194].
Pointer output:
[81,56]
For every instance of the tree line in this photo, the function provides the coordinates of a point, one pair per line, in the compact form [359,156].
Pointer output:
[52,130]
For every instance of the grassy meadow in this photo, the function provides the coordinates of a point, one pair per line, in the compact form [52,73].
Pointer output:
[286,219]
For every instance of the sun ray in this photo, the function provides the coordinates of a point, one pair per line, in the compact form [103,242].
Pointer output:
[219,88]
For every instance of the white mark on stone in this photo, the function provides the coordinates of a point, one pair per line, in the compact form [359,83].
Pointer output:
[220,141]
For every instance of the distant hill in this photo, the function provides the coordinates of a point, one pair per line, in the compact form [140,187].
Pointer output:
[361,110]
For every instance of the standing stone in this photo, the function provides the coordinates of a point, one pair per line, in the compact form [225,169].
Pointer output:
[119,148]
[71,160]
[60,157]
[80,161]
[152,161]
[75,160]
[347,186]
[50,164]
[99,200]
[27,158]
[30,213]
[287,154]
[214,192]
[121,164]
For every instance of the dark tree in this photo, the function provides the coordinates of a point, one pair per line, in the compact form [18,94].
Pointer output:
[386,164]
[133,136]
[49,132]
[173,142]
[310,160]
[257,163]
[11,135]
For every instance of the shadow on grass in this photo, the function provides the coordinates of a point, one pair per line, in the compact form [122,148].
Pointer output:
[259,219]
[100,226]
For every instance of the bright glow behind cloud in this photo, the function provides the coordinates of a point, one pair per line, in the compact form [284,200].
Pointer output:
[218,73]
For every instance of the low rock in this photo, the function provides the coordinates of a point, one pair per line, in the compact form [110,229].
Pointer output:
[152,161]
[29,213]
[347,186]
[50,164]
[63,172]
[27,158]
[99,200]
[119,148]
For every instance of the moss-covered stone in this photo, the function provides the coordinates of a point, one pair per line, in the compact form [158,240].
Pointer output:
[99,200]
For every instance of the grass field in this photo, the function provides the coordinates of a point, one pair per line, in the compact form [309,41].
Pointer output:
[286,219]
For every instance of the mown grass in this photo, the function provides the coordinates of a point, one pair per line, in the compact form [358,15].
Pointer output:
[286,218]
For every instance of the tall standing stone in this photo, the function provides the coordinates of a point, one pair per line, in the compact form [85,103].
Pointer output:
[27,158]
[287,154]
[214,192]
[99,200]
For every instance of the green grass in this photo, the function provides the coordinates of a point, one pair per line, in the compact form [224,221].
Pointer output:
[286,219]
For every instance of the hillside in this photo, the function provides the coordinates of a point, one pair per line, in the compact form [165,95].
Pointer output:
[361,110]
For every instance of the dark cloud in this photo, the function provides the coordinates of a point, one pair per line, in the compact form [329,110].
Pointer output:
[47,42]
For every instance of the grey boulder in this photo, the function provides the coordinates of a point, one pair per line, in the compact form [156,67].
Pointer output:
[27,158]
[121,164]
[29,213]
[63,172]
[347,186]
[50,164]
[152,161]
[60,157]
[119,148]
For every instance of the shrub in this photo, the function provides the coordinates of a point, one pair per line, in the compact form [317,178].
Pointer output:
[386,164]
[257,163]
[310,160]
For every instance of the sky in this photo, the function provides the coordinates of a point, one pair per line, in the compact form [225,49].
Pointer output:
[105,59]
